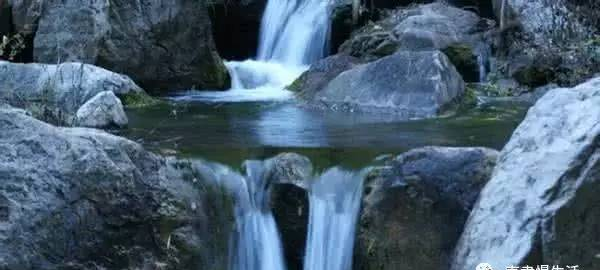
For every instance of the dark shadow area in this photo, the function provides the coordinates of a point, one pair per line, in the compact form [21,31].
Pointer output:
[236,27]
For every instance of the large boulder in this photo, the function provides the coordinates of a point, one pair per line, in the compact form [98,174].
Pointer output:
[420,27]
[406,84]
[162,45]
[58,91]
[102,111]
[322,72]
[415,206]
[75,198]
[541,205]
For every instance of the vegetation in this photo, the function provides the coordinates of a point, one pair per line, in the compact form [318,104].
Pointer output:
[139,100]
[11,46]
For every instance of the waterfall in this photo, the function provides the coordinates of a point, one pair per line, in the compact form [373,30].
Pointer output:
[294,32]
[293,35]
[483,52]
[502,14]
[334,205]
[255,243]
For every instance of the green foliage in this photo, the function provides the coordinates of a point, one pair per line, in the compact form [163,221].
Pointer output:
[11,46]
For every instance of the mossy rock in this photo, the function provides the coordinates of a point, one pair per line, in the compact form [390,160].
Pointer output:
[465,61]
[139,100]
[296,86]
[534,76]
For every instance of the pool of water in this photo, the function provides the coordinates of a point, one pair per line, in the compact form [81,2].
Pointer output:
[233,132]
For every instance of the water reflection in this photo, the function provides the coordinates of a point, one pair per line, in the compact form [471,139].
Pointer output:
[255,129]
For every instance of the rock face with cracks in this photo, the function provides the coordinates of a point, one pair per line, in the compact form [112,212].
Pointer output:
[77,198]
[407,84]
[540,206]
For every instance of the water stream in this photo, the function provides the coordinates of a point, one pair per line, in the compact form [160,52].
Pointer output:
[334,199]
[255,243]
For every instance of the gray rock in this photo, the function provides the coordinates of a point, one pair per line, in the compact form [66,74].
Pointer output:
[63,88]
[421,27]
[415,206]
[102,111]
[543,21]
[289,168]
[162,45]
[76,198]
[541,206]
[321,73]
[406,84]
[289,174]
[25,14]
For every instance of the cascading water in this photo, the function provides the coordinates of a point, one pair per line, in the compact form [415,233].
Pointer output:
[293,35]
[334,202]
[334,206]
[294,32]
[255,243]
[483,52]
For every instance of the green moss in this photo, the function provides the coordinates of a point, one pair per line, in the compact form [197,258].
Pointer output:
[215,75]
[468,99]
[139,100]
[296,86]
[465,61]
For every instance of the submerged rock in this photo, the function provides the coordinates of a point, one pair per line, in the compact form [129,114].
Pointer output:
[541,207]
[415,206]
[56,92]
[75,198]
[102,111]
[407,84]
[162,45]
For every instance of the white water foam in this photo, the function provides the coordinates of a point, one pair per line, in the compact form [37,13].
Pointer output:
[293,35]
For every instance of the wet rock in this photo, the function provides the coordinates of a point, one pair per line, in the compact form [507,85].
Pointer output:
[76,198]
[539,208]
[421,27]
[407,84]
[102,111]
[322,72]
[55,92]
[162,45]
[289,174]
[415,206]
